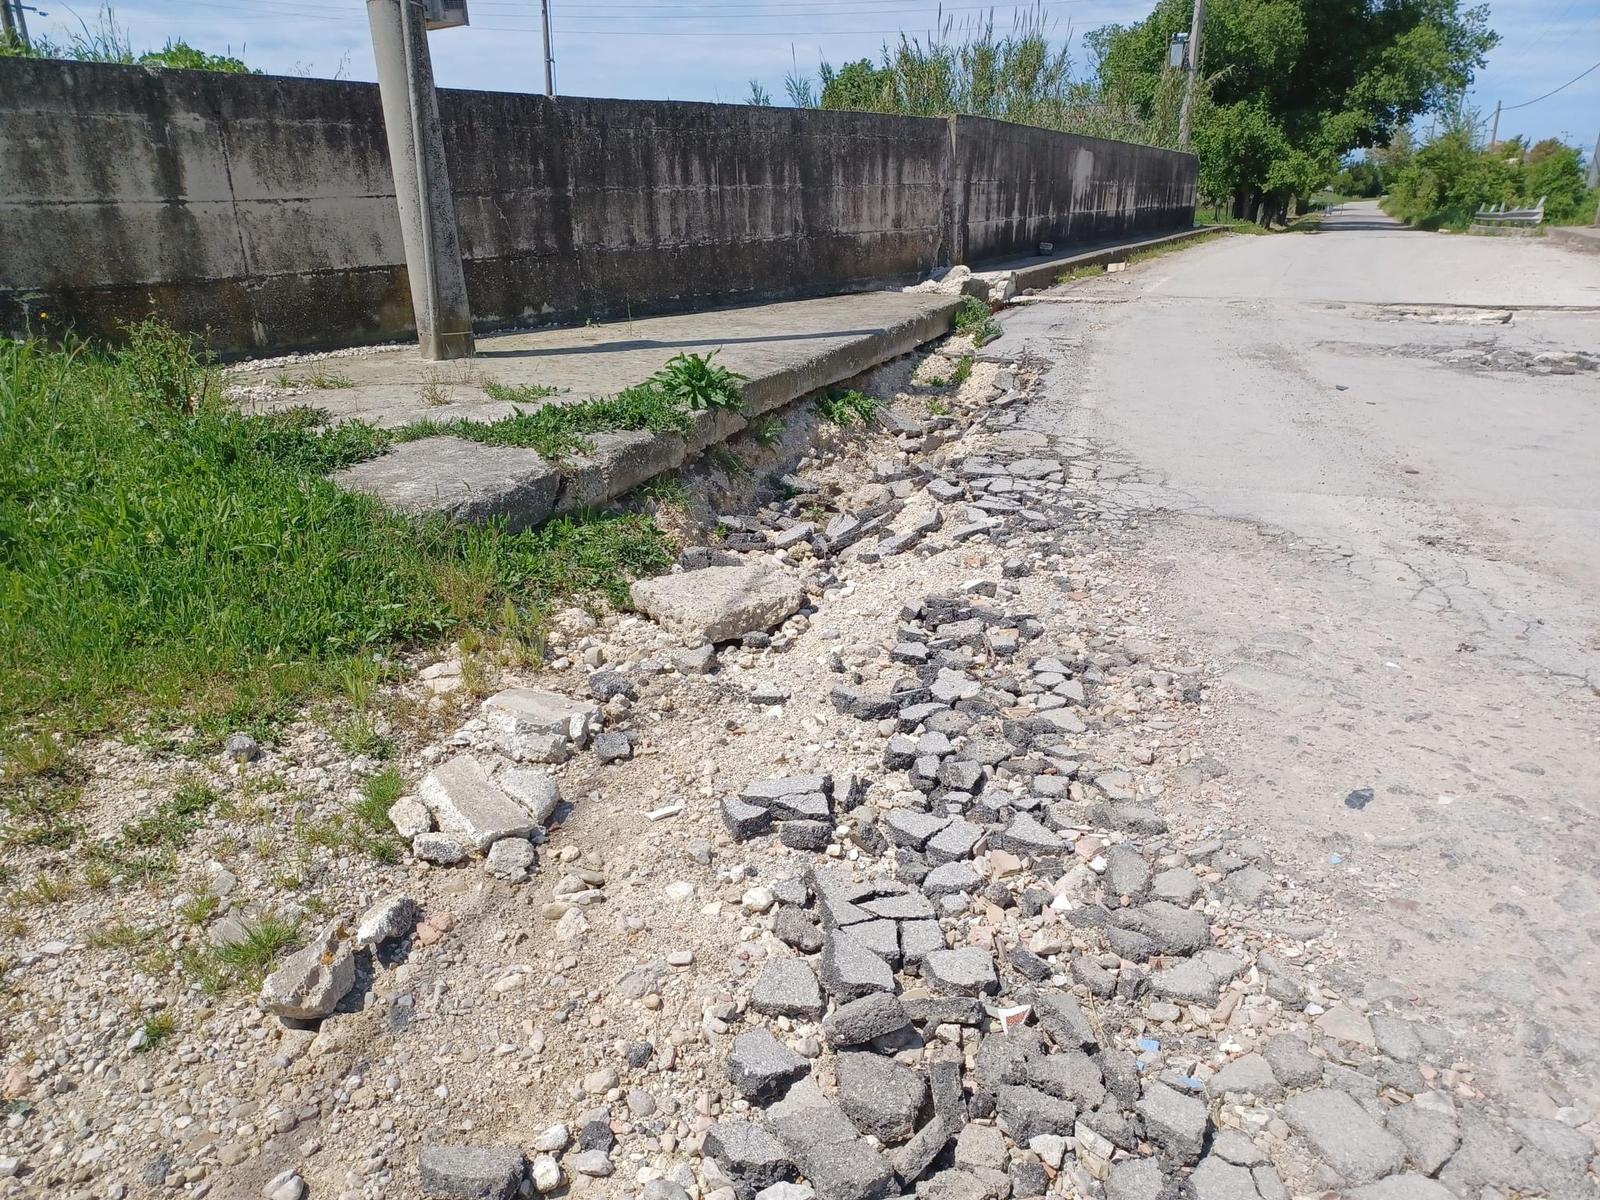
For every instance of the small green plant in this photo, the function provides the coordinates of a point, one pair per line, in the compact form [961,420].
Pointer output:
[360,735]
[157,1029]
[767,432]
[974,318]
[249,958]
[937,407]
[122,936]
[173,823]
[1084,272]
[524,393]
[377,794]
[197,910]
[727,461]
[847,407]
[963,371]
[46,889]
[665,491]
[694,382]
[328,381]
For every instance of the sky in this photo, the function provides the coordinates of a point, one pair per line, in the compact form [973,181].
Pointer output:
[670,49]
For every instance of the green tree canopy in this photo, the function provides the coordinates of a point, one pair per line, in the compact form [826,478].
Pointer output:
[1292,86]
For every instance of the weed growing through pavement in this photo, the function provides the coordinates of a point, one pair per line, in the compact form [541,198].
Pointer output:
[524,393]
[963,371]
[973,317]
[664,403]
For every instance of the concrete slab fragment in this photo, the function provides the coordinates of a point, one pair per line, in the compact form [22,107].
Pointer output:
[461,480]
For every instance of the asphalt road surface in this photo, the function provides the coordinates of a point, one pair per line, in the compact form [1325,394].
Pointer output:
[1377,514]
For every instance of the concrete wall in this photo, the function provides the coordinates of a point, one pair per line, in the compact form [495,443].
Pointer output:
[261,209]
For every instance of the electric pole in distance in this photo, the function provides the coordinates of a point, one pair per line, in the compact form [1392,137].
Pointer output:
[421,179]
[549,59]
[1186,114]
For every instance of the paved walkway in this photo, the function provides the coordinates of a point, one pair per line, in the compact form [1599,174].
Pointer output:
[783,349]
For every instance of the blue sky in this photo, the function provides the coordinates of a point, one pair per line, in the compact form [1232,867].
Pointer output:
[710,50]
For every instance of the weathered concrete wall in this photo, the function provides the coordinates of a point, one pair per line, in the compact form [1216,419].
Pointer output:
[261,208]
[1017,186]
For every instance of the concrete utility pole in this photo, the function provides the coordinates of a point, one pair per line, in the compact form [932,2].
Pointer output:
[1187,112]
[549,59]
[1494,130]
[1594,170]
[8,24]
[421,180]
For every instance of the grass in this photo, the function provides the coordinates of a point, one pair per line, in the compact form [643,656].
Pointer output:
[664,403]
[123,936]
[321,380]
[524,393]
[157,1029]
[251,956]
[163,554]
[1083,272]
[847,407]
[197,910]
[973,317]
[963,371]
[365,826]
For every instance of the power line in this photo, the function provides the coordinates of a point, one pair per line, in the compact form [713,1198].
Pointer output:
[1547,95]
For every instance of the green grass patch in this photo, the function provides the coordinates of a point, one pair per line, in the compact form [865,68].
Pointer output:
[365,826]
[251,957]
[973,317]
[123,936]
[162,553]
[664,403]
[524,393]
[963,371]
[157,1029]
[847,407]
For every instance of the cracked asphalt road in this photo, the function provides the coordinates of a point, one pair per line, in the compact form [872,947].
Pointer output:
[1393,562]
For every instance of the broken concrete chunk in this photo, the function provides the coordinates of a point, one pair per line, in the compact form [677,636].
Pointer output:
[824,1145]
[470,807]
[717,604]
[311,982]
[533,711]
[787,988]
[461,480]
[762,1067]
[749,1156]
[881,1096]
[1344,1135]
[536,791]
[1175,1122]
[850,969]
[859,1021]
[472,1172]
[968,971]
[388,920]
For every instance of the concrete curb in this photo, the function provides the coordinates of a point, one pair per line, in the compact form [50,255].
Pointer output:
[1583,238]
[1045,273]
[466,481]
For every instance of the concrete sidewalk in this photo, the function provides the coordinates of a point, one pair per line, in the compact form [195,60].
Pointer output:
[784,350]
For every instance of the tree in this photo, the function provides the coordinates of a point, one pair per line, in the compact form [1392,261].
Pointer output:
[1290,87]
[107,41]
